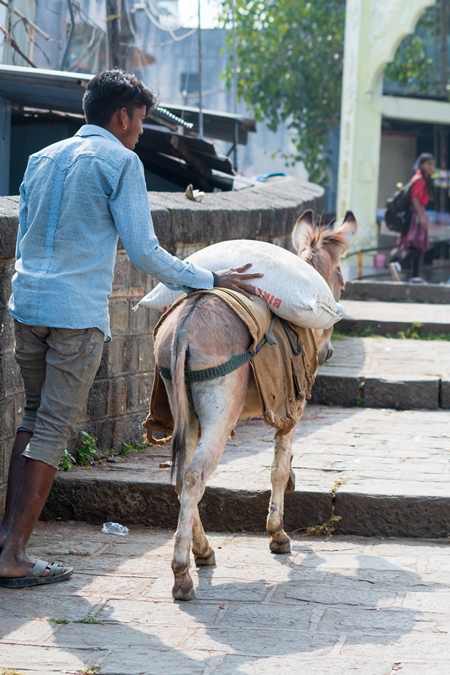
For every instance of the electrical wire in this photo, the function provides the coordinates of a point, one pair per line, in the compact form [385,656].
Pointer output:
[36,44]
[52,11]
[155,22]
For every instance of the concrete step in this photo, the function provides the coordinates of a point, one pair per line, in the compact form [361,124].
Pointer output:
[385,318]
[386,373]
[390,291]
[383,472]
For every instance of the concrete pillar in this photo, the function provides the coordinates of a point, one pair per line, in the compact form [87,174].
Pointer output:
[5,144]
[373,32]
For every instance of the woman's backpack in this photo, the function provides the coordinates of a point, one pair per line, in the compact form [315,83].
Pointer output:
[397,215]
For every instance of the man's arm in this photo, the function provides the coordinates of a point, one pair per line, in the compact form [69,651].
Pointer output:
[131,212]
[23,219]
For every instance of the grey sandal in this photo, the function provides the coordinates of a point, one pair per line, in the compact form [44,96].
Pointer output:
[34,577]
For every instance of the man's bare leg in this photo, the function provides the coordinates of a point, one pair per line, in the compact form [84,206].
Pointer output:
[37,479]
[16,465]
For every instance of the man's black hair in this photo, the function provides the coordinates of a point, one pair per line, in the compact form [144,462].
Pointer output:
[111,90]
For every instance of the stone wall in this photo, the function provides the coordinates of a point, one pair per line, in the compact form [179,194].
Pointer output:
[120,395]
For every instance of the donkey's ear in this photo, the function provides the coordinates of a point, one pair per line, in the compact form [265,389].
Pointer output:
[348,230]
[303,229]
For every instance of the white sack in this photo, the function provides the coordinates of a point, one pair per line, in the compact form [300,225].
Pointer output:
[292,288]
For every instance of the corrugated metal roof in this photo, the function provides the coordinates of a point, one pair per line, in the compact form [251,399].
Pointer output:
[58,90]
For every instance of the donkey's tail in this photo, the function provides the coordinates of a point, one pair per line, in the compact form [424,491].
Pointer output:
[181,413]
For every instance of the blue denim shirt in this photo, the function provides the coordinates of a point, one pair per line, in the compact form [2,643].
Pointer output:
[77,198]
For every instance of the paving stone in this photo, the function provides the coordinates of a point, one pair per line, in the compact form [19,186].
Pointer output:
[159,612]
[153,662]
[266,615]
[328,594]
[374,621]
[257,642]
[17,630]
[143,635]
[398,648]
[298,662]
[47,660]
[334,606]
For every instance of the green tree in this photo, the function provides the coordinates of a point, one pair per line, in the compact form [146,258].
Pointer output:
[414,67]
[289,67]
[289,63]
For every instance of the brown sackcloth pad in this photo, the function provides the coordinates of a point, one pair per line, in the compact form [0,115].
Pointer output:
[283,376]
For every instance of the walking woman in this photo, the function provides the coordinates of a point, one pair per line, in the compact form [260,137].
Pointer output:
[415,240]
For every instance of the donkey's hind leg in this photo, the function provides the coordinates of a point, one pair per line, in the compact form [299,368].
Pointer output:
[280,476]
[218,404]
[183,580]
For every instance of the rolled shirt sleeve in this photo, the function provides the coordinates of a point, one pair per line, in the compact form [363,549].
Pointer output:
[130,210]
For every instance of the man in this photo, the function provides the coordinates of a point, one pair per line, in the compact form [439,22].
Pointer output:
[77,198]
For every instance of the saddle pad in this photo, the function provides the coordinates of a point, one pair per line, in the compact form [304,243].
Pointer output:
[283,379]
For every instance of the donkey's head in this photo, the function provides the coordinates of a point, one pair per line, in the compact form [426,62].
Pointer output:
[323,249]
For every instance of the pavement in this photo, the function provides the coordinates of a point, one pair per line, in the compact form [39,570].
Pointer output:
[380,372]
[383,472]
[391,291]
[372,449]
[332,607]
[389,317]
[373,597]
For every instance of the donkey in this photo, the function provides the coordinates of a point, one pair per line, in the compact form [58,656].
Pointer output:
[203,332]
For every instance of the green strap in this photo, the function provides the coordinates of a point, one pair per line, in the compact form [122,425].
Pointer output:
[216,371]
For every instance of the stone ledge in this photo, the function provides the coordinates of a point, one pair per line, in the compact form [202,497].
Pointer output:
[93,499]
[266,211]
[431,393]
[370,515]
[390,291]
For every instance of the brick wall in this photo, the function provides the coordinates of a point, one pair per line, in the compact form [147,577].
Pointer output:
[119,398]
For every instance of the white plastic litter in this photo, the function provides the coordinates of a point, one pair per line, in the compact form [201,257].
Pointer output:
[292,288]
[115,528]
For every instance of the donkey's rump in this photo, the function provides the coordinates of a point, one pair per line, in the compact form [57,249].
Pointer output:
[283,359]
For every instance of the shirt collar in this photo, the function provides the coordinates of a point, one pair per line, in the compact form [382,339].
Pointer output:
[95,130]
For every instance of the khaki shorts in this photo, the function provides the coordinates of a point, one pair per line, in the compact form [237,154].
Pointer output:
[58,366]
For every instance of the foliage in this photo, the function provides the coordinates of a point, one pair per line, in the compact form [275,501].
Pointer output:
[289,65]
[87,450]
[67,461]
[413,66]
[133,447]
[86,453]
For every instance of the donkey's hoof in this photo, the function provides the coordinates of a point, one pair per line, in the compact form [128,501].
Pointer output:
[282,546]
[204,560]
[183,592]
[290,487]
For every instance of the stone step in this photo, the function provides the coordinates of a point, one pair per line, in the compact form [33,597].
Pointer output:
[390,291]
[385,318]
[383,472]
[386,373]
